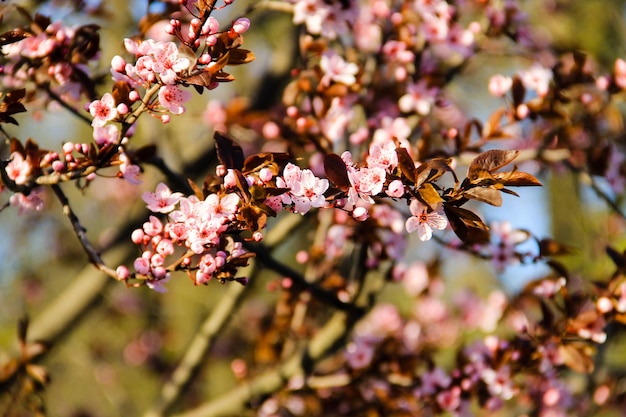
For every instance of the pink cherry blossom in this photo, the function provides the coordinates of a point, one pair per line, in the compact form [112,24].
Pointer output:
[619,71]
[306,190]
[106,135]
[423,221]
[18,169]
[162,200]
[537,78]
[31,202]
[336,69]
[499,85]
[172,98]
[419,98]
[103,110]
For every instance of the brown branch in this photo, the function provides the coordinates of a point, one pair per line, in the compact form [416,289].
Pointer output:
[81,233]
[197,352]
[329,339]
[54,96]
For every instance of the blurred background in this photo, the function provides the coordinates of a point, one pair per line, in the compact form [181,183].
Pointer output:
[116,358]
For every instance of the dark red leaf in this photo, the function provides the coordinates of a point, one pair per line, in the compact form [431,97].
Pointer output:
[467,225]
[336,171]
[229,152]
[406,164]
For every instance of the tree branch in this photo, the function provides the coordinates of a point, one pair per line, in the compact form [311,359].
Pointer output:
[329,339]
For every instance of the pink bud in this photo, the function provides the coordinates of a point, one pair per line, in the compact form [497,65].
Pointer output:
[395,189]
[204,59]
[220,170]
[137,236]
[265,175]
[122,109]
[270,130]
[68,147]
[122,272]
[58,166]
[241,25]
[360,214]
[230,181]
[604,305]
[257,236]
[118,64]
[302,257]
[522,111]
[165,119]
[134,95]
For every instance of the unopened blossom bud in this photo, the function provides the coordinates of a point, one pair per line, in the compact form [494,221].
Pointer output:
[118,64]
[159,272]
[122,108]
[270,130]
[58,166]
[241,25]
[165,119]
[265,175]
[395,189]
[134,95]
[122,273]
[68,147]
[204,59]
[360,214]
[230,180]
[142,266]
[604,305]
[257,236]
[137,236]
[522,111]
[220,170]
[302,257]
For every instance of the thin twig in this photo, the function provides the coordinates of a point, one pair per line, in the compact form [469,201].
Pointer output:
[81,233]
[54,96]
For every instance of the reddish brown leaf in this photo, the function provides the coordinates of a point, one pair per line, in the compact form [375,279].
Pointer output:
[14,35]
[240,56]
[432,169]
[518,91]
[429,195]
[517,179]
[487,195]
[467,225]
[578,356]
[196,190]
[549,247]
[490,161]
[406,165]
[336,171]
[269,160]
[229,152]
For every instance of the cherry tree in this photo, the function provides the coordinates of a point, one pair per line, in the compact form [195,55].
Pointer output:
[318,218]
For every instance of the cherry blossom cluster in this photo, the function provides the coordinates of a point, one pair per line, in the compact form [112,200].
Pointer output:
[50,52]
[523,370]
[199,226]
